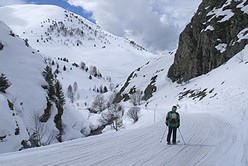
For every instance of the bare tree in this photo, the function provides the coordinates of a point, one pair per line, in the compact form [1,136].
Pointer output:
[136,97]
[117,110]
[78,96]
[93,70]
[75,87]
[82,65]
[111,99]
[99,104]
[113,116]
[134,114]
[39,134]
[70,93]
[111,86]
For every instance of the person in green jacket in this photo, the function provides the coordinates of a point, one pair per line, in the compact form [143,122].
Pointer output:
[173,122]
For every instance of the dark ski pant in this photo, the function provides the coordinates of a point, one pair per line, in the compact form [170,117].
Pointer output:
[173,131]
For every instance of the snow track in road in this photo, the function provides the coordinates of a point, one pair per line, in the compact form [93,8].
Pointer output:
[210,141]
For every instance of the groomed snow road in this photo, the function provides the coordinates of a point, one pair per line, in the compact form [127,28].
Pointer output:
[210,141]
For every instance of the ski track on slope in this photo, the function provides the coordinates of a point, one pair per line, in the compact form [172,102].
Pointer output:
[143,147]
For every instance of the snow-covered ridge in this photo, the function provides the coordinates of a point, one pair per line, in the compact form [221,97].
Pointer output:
[47,23]
[54,31]
[55,25]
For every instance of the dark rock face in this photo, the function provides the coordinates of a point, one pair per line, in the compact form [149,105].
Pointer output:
[213,36]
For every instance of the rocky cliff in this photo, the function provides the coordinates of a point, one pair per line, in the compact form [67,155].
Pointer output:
[218,30]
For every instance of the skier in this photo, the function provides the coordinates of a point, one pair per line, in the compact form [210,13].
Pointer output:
[173,122]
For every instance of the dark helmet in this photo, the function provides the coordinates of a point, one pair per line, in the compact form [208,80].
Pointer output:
[174,108]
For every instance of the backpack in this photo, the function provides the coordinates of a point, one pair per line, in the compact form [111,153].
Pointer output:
[173,117]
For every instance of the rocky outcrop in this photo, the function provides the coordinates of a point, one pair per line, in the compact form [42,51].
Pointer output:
[216,33]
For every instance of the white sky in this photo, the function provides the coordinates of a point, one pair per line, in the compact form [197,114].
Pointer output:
[155,24]
[10,2]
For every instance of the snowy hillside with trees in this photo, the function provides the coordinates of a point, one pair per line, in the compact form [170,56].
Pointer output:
[26,101]
[21,67]
[213,126]
[105,84]
[62,75]
[88,61]
[58,33]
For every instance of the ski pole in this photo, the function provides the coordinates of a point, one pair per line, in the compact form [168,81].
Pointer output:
[163,134]
[181,136]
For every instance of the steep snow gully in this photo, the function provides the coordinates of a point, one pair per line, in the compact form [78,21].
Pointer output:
[210,141]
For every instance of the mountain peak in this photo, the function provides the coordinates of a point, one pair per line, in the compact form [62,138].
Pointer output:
[54,31]
[49,24]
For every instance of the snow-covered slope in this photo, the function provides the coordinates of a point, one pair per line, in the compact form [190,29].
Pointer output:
[63,41]
[227,84]
[213,127]
[22,66]
[25,99]
[56,32]
[68,40]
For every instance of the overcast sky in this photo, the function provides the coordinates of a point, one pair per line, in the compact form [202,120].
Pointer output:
[10,2]
[155,24]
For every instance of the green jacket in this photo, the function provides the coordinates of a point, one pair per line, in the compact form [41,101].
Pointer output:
[172,119]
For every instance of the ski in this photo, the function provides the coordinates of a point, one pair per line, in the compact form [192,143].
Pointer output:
[175,143]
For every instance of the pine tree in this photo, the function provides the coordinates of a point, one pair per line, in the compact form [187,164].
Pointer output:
[59,101]
[1,46]
[49,77]
[26,42]
[51,92]
[4,83]
[105,89]
[60,98]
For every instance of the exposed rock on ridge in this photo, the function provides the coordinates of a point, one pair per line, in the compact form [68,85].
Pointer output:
[215,34]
